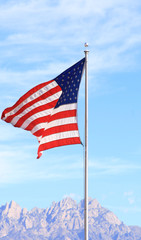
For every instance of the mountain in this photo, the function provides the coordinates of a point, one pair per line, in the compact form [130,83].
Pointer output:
[64,220]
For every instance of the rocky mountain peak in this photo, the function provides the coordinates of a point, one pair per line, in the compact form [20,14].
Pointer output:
[67,203]
[112,218]
[93,203]
[23,212]
[4,209]
[13,204]
[14,210]
[11,210]
[63,220]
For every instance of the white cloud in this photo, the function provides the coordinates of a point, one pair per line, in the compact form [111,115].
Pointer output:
[130,193]
[110,166]
[130,197]
[111,28]
[125,209]
[18,163]
[131,200]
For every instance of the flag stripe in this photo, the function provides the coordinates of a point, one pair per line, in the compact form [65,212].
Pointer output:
[34,94]
[24,97]
[33,112]
[36,112]
[23,123]
[58,124]
[64,114]
[37,122]
[55,123]
[62,142]
[62,128]
[41,101]
[39,132]
[65,107]
[59,136]
[62,125]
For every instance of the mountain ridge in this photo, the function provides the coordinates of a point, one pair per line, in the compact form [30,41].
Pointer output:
[63,220]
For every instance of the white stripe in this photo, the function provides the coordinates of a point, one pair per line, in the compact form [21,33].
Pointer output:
[58,122]
[54,123]
[35,105]
[31,118]
[61,121]
[58,136]
[71,106]
[38,127]
[39,138]
[36,116]
[32,97]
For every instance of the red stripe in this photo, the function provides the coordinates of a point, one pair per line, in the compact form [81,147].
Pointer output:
[42,97]
[58,143]
[63,128]
[34,111]
[39,133]
[25,96]
[37,121]
[64,114]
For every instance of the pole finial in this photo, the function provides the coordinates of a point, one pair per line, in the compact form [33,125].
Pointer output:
[86,48]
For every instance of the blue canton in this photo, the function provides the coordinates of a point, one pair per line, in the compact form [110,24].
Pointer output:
[69,82]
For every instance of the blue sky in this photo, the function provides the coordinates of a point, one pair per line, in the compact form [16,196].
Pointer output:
[40,39]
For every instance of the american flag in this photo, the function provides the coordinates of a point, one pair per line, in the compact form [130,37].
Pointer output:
[49,110]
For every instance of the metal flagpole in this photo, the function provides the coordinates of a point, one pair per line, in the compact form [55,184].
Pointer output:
[86,144]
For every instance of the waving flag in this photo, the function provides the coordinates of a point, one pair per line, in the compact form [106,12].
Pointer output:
[49,110]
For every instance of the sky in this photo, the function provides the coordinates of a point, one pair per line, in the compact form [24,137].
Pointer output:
[38,40]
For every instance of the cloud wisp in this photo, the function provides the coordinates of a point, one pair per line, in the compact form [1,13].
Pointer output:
[112,29]
[18,162]
[111,166]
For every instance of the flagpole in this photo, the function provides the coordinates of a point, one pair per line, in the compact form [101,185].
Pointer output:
[86,144]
